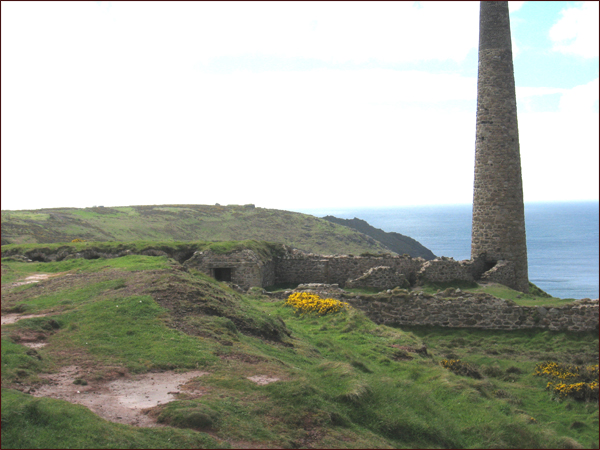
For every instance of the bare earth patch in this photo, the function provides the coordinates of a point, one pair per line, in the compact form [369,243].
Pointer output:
[12,318]
[36,278]
[35,344]
[123,400]
[262,379]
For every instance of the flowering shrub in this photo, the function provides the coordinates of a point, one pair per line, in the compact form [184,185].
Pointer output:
[461,368]
[304,303]
[78,240]
[568,380]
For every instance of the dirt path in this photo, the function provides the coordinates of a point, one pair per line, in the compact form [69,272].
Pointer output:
[36,278]
[12,318]
[122,400]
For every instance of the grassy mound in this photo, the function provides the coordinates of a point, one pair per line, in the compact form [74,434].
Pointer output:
[338,380]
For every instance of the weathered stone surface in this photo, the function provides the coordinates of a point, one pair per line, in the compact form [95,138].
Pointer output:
[380,277]
[298,267]
[244,268]
[444,270]
[498,232]
[482,311]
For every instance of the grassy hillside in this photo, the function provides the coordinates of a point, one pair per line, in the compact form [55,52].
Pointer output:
[343,382]
[394,241]
[185,223]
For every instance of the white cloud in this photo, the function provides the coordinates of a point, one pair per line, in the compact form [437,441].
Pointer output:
[559,150]
[321,130]
[515,6]
[535,91]
[110,92]
[581,99]
[158,33]
[559,154]
[576,32]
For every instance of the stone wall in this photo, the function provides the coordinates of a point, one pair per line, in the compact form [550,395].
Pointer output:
[296,267]
[380,277]
[246,268]
[444,269]
[452,308]
[339,269]
[345,268]
[479,312]
[311,269]
[503,272]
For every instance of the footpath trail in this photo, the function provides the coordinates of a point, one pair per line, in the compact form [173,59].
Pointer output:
[35,278]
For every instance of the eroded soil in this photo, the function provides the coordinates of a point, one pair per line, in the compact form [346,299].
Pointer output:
[129,399]
[125,400]
[12,318]
[261,380]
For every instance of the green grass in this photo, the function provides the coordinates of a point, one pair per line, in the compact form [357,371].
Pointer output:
[536,298]
[18,362]
[344,382]
[184,223]
[20,270]
[508,360]
[136,337]
[24,215]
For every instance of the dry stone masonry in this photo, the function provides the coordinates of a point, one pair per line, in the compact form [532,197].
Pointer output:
[380,277]
[246,269]
[479,311]
[443,269]
[498,232]
[457,309]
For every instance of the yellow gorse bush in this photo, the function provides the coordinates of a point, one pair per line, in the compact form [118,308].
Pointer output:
[305,303]
[461,368]
[450,363]
[568,380]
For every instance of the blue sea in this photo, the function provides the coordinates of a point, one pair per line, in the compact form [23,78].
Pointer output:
[562,238]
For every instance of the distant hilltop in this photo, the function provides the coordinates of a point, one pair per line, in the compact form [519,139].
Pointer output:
[204,222]
[396,242]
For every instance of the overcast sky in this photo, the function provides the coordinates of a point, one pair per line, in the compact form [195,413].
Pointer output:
[284,105]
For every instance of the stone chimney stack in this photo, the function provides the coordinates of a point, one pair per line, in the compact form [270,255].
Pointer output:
[498,212]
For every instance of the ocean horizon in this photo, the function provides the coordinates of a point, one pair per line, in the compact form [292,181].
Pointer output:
[562,238]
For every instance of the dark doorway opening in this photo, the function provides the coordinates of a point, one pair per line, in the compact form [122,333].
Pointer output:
[489,265]
[222,274]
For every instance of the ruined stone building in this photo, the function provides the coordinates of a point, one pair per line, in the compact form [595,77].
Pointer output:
[247,268]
